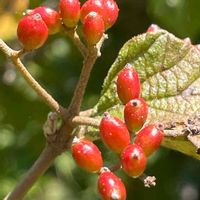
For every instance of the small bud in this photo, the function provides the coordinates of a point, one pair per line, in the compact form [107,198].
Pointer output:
[153,28]
[187,40]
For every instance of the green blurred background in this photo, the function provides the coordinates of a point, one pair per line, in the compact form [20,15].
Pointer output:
[57,66]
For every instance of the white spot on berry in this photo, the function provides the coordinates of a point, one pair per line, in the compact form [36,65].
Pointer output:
[111,182]
[135,154]
[92,14]
[87,148]
[115,195]
[48,10]
[37,16]
[154,131]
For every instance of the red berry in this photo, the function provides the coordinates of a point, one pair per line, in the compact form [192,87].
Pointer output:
[153,28]
[108,9]
[135,114]
[93,28]
[114,133]
[111,187]
[32,32]
[133,160]
[49,16]
[87,155]
[69,12]
[150,138]
[91,6]
[110,13]
[128,84]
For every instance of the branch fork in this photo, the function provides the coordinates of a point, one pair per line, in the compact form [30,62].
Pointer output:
[58,132]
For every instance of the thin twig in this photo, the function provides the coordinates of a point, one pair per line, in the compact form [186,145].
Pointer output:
[81,120]
[93,54]
[72,34]
[14,57]
[76,101]
[80,132]
[40,166]
[7,50]
[87,113]
[56,144]
[115,167]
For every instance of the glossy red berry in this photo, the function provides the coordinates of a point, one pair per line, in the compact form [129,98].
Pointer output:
[87,155]
[128,84]
[69,12]
[133,160]
[49,16]
[153,28]
[91,6]
[150,138]
[93,28]
[114,133]
[111,187]
[110,12]
[108,9]
[32,32]
[135,114]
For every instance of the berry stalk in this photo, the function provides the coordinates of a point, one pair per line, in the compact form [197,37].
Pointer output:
[72,34]
[92,54]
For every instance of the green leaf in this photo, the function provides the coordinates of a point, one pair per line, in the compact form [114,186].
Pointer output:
[169,69]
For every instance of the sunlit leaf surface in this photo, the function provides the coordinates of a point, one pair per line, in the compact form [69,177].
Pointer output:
[169,69]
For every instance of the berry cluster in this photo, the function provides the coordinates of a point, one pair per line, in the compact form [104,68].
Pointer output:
[116,135]
[96,17]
